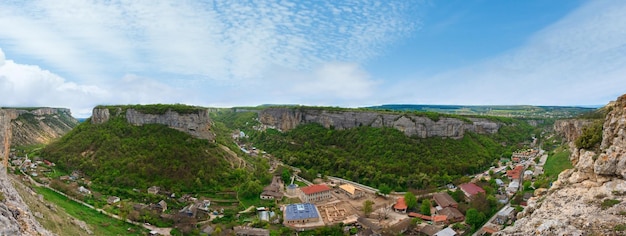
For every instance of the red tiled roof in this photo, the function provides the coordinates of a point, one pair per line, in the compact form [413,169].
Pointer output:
[471,188]
[515,173]
[400,204]
[489,230]
[315,189]
[440,218]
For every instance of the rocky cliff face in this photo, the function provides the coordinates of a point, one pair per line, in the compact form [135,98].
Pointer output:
[15,217]
[570,129]
[196,124]
[40,126]
[411,125]
[578,202]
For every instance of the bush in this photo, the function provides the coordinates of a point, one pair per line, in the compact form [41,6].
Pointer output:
[608,203]
[591,136]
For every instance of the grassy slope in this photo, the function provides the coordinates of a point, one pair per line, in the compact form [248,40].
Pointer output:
[99,223]
[557,163]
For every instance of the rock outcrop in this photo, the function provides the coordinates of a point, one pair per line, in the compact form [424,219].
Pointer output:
[40,126]
[570,129]
[15,217]
[411,125]
[589,199]
[197,124]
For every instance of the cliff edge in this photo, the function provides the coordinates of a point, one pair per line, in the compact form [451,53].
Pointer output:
[589,199]
[195,122]
[15,217]
[41,125]
[411,125]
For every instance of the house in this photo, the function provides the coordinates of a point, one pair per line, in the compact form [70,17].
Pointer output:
[453,215]
[440,219]
[400,205]
[161,206]
[113,200]
[471,189]
[315,193]
[292,189]
[83,190]
[499,182]
[515,173]
[271,192]
[444,200]
[528,175]
[154,190]
[351,191]
[513,186]
[300,213]
[505,214]
[502,198]
[249,231]
[446,232]
[421,216]
[429,230]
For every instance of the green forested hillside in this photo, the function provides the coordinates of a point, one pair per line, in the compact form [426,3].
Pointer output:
[385,156]
[123,155]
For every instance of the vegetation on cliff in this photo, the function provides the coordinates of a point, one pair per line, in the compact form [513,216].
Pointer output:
[591,136]
[156,109]
[385,156]
[119,154]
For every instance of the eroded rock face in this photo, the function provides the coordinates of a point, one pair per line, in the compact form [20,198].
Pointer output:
[196,124]
[571,129]
[41,126]
[574,204]
[15,217]
[411,125]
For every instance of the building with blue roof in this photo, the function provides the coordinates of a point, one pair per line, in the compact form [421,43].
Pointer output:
[301,213]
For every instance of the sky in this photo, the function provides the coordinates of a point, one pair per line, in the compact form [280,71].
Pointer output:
[78,54]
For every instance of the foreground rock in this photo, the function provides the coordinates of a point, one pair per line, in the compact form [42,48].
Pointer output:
[15,218]
[589,199]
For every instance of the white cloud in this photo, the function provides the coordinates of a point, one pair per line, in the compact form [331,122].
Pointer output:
[577,60]
[223,40]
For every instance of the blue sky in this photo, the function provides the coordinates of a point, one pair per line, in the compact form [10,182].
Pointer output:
[79,54]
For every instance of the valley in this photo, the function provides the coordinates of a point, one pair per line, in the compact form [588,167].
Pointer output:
[172,173]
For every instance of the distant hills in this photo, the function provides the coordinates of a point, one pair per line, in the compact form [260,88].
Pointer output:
[521,111]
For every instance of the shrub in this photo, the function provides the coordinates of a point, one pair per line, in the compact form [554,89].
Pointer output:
[608,203]
[591,136]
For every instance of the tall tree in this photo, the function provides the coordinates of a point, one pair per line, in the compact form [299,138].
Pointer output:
[425,209]
[410,200]
[367,207]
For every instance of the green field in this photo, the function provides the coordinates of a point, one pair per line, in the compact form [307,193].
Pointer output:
[556,163]
[99,223]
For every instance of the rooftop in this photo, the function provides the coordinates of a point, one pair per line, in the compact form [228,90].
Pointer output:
[348,188]
[446,232]
[443,199]
[315,189]
[400,204]
[471,188]
[300,211]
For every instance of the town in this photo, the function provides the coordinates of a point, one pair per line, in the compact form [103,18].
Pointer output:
[301,205]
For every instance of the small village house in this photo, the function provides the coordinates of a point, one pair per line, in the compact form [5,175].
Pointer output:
[400,205]
[471,189]
[351,191]
[444,200]
[113,200]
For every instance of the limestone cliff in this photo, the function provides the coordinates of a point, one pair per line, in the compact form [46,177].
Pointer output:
[15,217]
[197,124]
[411,125]
[589,199]
[570,129]
[40,126]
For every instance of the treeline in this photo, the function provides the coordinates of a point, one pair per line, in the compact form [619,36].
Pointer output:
[157,109]
[118,154]
[386,157]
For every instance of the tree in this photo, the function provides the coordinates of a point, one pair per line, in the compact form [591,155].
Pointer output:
[384,189]
[410,200]
[527,185]
[367,207]
[425,209]
[474,218]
